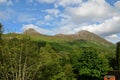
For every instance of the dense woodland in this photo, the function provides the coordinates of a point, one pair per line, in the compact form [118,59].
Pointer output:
[26,59]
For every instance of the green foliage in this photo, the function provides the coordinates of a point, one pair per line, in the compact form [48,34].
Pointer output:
[118,56]
[1,28]
[0,32]
[90,65]
[24,59]
[1,44]
[19,60]
[54,65]
[52,58]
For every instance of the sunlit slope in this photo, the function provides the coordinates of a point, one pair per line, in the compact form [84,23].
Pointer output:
[70,42]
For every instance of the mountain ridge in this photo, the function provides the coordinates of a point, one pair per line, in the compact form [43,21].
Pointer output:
[71,42]
[81,35]
[85,35]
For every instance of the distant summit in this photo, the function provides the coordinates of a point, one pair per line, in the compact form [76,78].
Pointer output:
[85,35]
[81,35]
[31,31]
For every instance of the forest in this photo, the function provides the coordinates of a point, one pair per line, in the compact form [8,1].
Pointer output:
[27,59]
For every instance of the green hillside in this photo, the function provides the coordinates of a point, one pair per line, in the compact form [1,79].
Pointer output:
[69,42]
[33,56]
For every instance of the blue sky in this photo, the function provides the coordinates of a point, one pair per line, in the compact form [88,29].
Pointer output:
[52,17]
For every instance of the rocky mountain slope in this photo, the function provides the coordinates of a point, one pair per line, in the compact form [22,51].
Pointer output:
[85,35]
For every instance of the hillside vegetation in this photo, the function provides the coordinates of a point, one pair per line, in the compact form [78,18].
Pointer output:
[33,56]
[61,41]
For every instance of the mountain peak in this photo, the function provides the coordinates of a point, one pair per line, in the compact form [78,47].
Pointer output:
[84,32]
[31,31]
[86,35]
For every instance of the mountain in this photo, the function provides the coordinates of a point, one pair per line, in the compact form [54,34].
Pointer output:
[31,32]
[85,35]
[69,43]
[82,35]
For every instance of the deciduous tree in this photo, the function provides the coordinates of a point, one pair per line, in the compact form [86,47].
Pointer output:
[118,56]
[90,65]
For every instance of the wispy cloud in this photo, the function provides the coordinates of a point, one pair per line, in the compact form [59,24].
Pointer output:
[54,12]
[3,1]
[7,14]
[6,2]
[46,1]
[48,17]
[26,18]
[113,38]
[29,1]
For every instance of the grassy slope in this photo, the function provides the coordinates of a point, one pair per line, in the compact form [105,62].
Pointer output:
[68,44]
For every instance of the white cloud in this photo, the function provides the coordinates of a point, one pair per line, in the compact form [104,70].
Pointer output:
[38,29]
[29,1]
[48,17]
[65,3]
[46,1]
[108,27]
[40,22]
[90,11]
[113,38]
[3,1]
[3,16]
[54,12]
[62,3]
[25,18]
[7,14]
[117,4]
[71,16]
[7,2]
[65,29]
[94,15]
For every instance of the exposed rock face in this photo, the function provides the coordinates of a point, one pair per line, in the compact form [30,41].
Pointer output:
[85,35]
[31,32]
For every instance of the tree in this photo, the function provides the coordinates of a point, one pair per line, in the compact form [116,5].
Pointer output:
[118,56]
[50,64]
[1,41]
[20,60]
[1,32]
[56,66]
[1,38]
[90,65]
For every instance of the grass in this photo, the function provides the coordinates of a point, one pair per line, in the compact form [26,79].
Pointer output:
[66,44]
